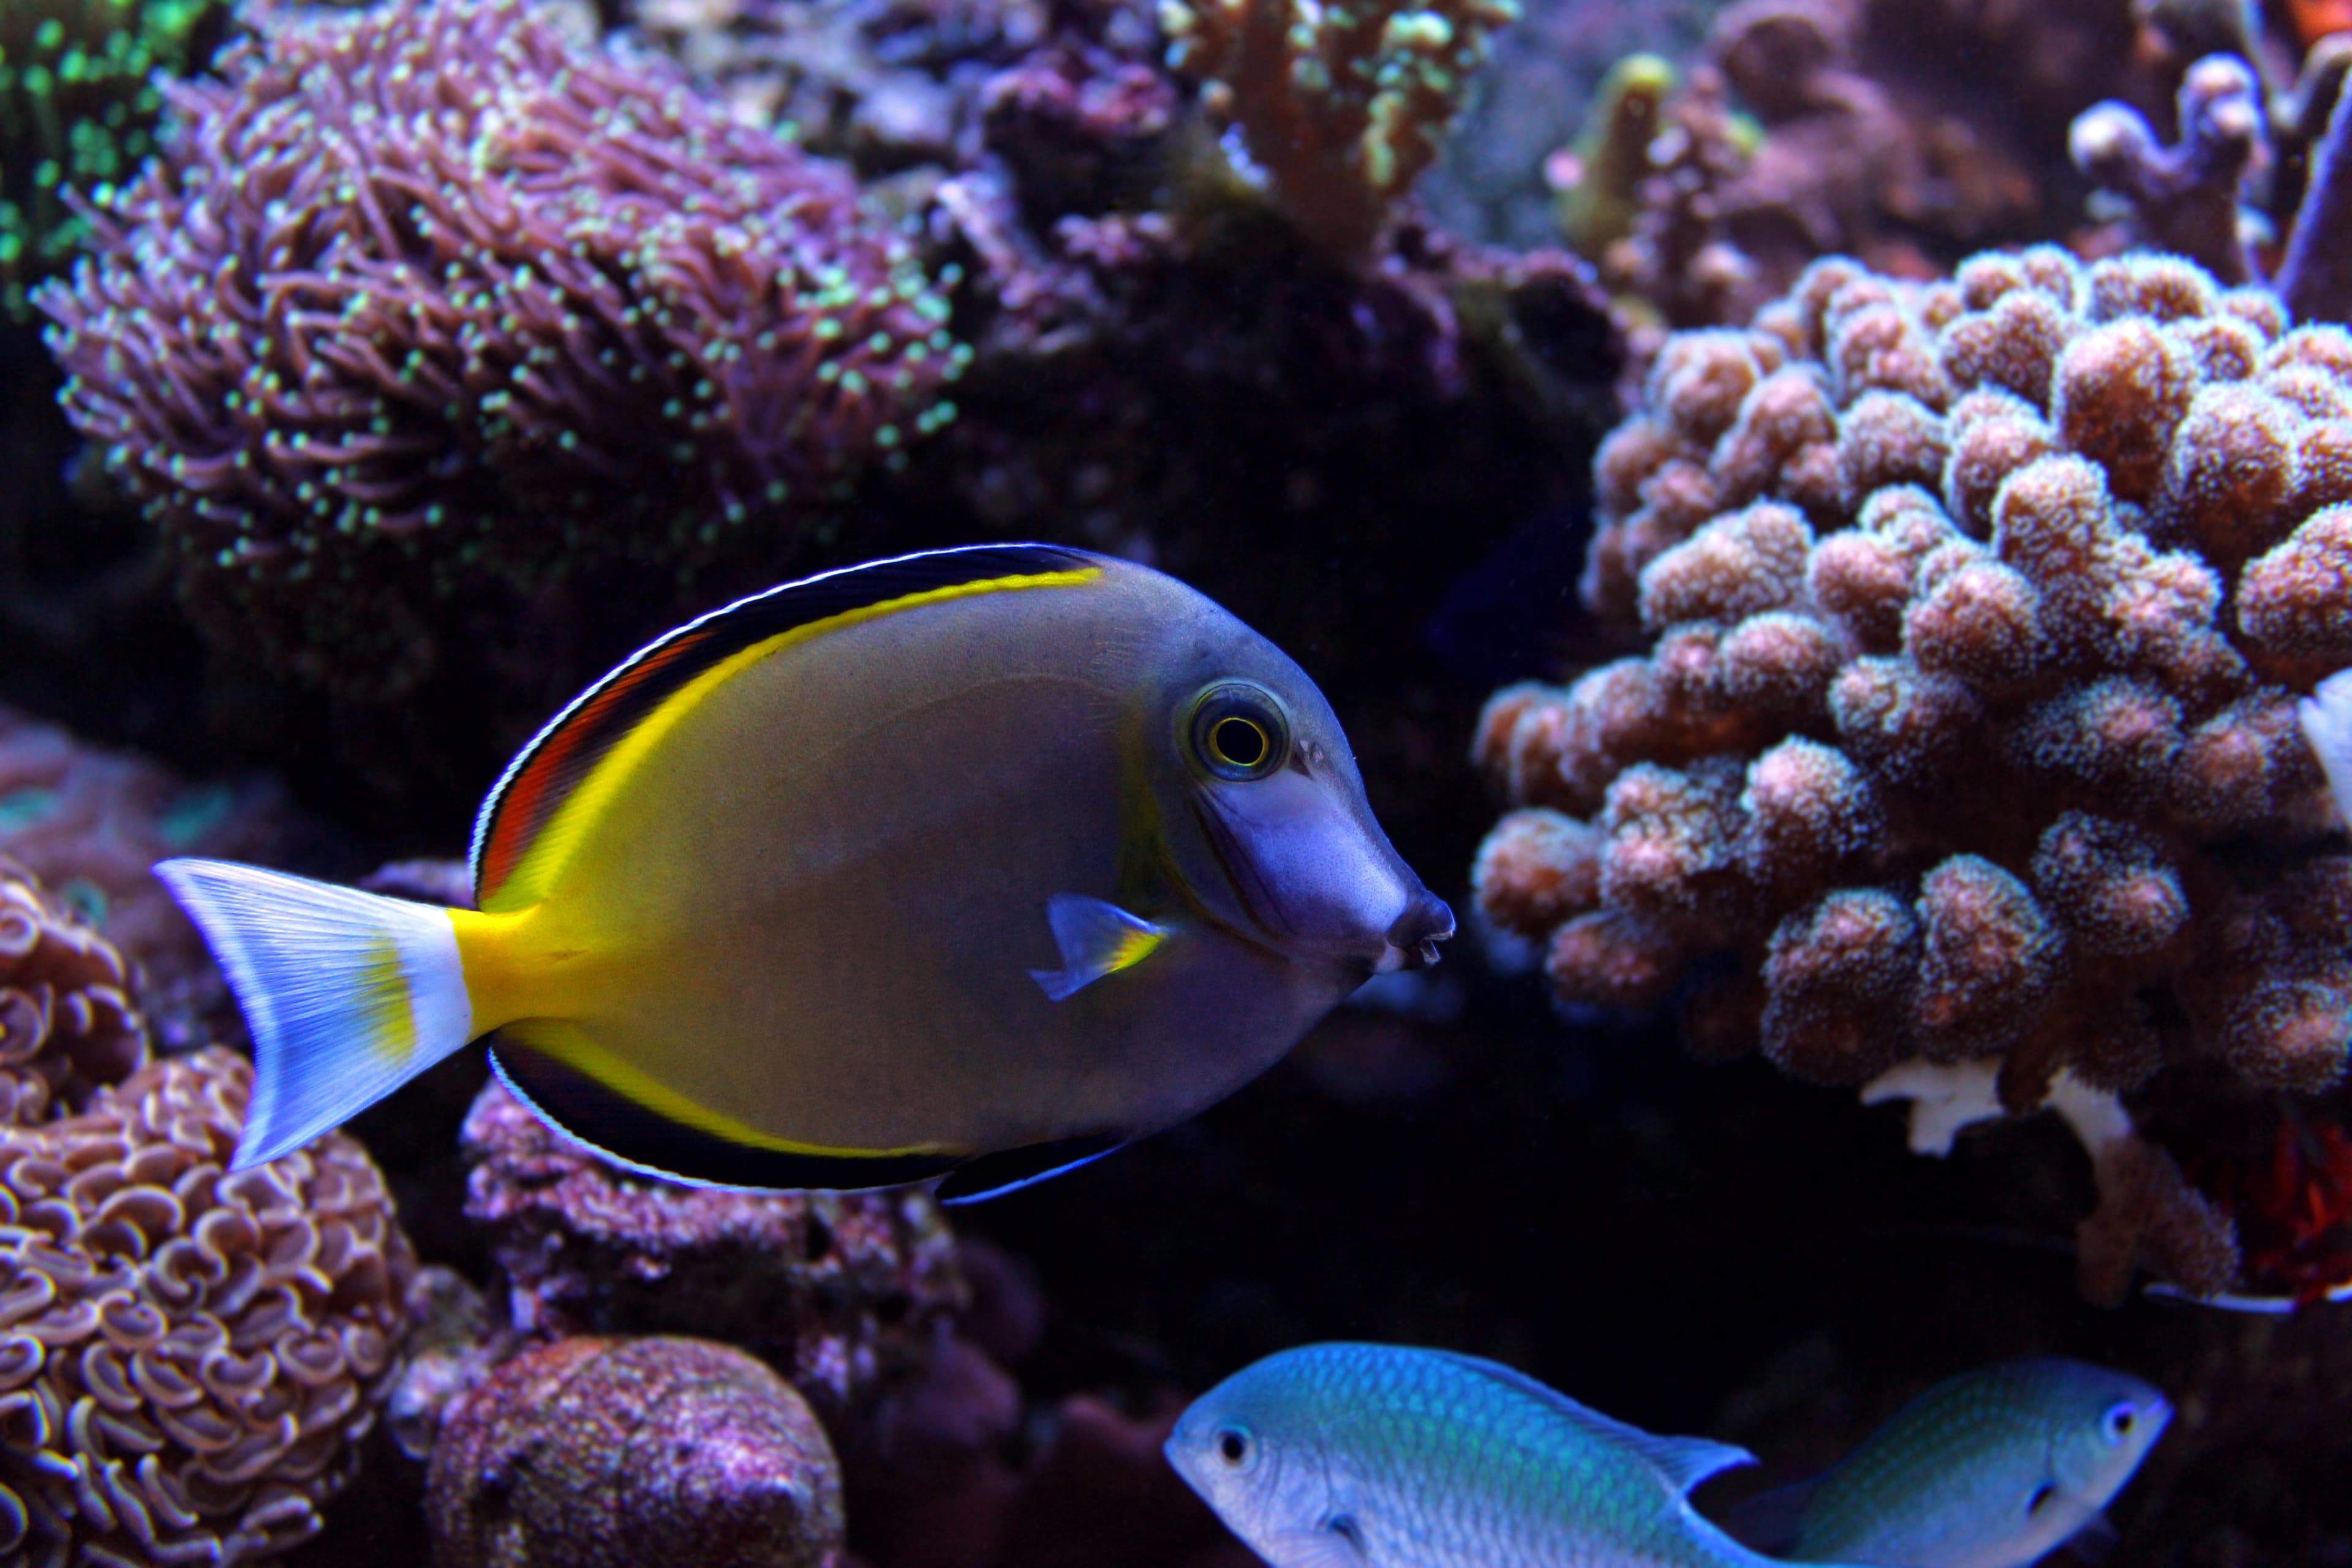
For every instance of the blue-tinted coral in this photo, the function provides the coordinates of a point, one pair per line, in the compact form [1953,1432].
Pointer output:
[77,110]
[1977,613]
[431,293]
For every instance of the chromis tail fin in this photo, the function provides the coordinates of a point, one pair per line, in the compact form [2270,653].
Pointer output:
[348,994]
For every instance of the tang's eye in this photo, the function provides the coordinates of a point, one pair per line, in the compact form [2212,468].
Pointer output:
[2118,1423]
[1233,1446]
[1238,731]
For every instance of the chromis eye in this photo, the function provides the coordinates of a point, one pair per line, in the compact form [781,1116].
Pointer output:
[1238,731]
[1233,1446]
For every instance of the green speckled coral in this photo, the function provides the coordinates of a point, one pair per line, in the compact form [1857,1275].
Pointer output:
[78,107]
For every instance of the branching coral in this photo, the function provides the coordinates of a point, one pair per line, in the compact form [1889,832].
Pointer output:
[1909,132]
[1968,728]
[1339,107]
[429,297]
[2147,1213]
[77,113]
[843,1291]
[2196,197]
[188,1357]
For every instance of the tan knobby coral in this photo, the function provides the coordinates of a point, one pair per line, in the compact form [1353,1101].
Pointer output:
[1968,727]
[187,1358]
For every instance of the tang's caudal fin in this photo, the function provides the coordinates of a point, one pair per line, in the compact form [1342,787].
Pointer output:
[348,994]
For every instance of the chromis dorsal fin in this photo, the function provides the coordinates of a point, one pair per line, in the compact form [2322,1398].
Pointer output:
[552,792]
[1096,938]
[1681,1462]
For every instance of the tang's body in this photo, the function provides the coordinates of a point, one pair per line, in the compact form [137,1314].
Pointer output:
[820,911]
[987,859]
[1359,1456]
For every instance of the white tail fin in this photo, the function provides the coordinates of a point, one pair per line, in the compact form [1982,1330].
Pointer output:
[348,995]
[2326,716]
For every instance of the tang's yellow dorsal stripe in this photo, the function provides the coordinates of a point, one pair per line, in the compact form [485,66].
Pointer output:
[567,777]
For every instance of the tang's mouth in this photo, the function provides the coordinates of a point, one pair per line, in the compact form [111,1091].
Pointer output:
[1413,936]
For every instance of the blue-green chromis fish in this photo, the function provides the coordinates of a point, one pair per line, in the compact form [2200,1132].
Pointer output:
[1993,1469]
[979,861]
[1363,1455]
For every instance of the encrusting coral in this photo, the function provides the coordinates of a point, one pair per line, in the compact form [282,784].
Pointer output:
[604,1453]
[844,1292]
[1968,728]
[77,113]
[430,301]
[1339,107]
[187,1358]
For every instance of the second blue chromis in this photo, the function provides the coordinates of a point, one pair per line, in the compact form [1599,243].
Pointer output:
[975,863]
[1993,1469]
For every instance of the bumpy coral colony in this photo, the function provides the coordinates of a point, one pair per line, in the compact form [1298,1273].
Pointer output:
[187,1358]
[1968,729]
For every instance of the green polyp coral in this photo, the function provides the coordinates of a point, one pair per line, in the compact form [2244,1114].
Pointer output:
[78,108]
[1339,109]
[1599,179]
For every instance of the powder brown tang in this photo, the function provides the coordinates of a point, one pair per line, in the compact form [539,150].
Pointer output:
[981,860]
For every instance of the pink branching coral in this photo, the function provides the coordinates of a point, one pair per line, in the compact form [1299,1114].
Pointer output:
[1968,726]
[1340,107]
[187,1358]
[430,294]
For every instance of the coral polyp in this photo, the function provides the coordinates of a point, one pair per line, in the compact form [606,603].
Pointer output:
[431,295]
[1978,610]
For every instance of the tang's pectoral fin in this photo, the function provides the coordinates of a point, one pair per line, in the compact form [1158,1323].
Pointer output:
[1096,938]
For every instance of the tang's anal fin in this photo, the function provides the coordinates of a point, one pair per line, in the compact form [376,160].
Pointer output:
[1096,938]
[536,1059]
[993,1175]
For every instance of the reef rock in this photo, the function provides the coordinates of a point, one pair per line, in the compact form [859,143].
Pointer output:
[843,1291]
[603,1452]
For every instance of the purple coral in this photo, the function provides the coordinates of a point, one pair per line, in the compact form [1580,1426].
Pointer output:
[1978,610]
[843,1291]
[2186,197]
[431,294]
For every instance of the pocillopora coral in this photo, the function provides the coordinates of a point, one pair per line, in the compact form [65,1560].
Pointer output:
[1978,610]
